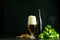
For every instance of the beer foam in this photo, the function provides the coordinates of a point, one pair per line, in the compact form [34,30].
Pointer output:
[32,20]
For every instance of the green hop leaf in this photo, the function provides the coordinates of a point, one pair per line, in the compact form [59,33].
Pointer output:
[57,35]
[50,31]
[46,29]
[45,32]
[49,26]
[53,31]
[41,35]
[52,36]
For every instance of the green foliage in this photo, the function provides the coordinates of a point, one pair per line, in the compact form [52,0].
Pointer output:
[49,33]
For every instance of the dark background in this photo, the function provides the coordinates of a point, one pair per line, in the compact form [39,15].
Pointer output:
[14,14]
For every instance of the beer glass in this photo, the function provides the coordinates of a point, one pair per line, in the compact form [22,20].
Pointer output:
[32,24]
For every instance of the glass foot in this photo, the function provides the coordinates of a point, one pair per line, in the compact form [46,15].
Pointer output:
[32,37]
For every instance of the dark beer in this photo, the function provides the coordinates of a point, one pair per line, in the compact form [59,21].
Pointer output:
[32,25]
[33,29]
